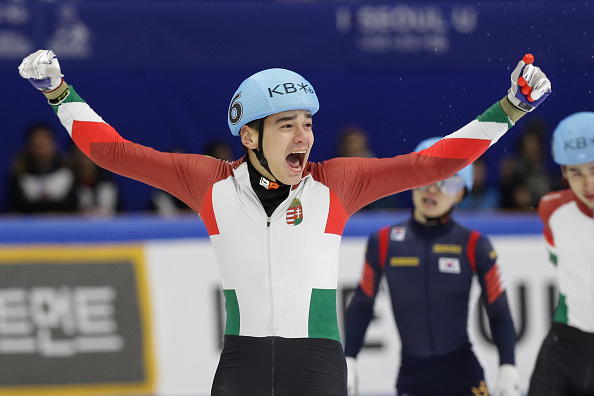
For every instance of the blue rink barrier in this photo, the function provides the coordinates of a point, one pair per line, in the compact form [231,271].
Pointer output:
[126,228]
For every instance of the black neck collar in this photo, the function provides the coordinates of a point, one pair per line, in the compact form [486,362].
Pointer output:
[435,226]
[271,194]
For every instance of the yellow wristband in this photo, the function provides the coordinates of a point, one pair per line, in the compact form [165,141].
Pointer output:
[58,94]
[512,111]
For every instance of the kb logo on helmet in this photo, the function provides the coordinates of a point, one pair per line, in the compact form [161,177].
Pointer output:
[578,144]
[289,88]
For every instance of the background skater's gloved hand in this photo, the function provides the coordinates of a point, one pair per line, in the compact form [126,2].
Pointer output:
[508,381]
[352,384]
[42,69]
[529,85]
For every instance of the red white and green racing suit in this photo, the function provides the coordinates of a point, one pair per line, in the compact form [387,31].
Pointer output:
[279,272]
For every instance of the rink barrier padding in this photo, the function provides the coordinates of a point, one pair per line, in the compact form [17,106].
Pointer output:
[75,320]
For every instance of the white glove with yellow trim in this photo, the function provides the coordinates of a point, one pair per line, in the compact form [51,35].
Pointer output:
[508,381]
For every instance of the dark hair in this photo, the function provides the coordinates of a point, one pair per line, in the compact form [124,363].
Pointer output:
[255,124]
[32,128]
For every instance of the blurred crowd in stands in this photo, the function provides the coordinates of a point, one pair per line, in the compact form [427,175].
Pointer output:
[45,179]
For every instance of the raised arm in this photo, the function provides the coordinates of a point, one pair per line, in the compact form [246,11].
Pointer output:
[363,181]
[187,176]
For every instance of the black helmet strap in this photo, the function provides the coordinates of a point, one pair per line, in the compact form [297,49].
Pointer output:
[260,150]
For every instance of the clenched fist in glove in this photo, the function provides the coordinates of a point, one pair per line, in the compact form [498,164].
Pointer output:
[529,85]
[42,69]
[508,382]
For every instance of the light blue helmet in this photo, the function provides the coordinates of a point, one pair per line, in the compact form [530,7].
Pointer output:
[573,139]
[268,92]
[467,173]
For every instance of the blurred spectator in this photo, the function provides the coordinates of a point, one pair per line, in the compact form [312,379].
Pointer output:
[40,181]
[166,204]
[483,196]
[524,177]
[96,191]
[220,149]
[353,142]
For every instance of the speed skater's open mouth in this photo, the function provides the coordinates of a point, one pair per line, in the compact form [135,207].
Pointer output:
[295,160]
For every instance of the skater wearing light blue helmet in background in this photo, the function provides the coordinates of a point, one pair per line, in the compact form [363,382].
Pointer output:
[565,363]
[573,139]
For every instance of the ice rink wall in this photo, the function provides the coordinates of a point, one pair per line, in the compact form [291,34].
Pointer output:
[133,305]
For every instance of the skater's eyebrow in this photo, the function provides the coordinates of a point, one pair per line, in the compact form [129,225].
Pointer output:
[291,118]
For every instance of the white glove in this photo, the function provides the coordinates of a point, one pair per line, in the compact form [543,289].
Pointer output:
[352,383]
[508,381]
[42,69]
[529,85]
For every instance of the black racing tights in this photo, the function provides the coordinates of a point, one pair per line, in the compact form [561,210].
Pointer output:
[565,364]
[275,366]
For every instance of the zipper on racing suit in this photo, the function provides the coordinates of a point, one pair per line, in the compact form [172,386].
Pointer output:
[270,283]
[271,300]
